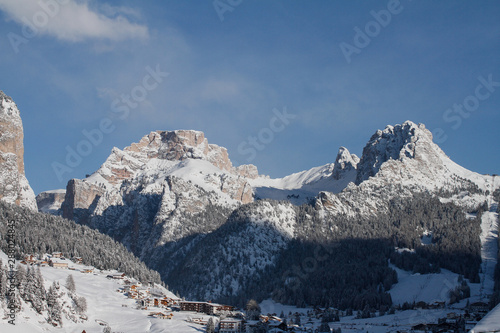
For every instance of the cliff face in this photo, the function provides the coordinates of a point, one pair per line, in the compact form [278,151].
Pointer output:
[14,187]
[50,201]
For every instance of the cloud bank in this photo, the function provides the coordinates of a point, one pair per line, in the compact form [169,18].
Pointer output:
[75,21]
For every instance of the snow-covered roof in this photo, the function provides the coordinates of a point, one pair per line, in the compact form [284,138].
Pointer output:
[59,261]
[490,322]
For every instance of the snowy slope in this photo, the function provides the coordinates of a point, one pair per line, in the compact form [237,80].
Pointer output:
[417,287]
[104,304]
[302,187]
[490,322]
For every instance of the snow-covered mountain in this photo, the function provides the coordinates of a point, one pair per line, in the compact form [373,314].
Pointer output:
[402,160]
[50,201]
[399,155]
[178,203]
[14,187]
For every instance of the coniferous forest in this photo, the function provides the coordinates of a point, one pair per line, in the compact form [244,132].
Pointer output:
[37,233]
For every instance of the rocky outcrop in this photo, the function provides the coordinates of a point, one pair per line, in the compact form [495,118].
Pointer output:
[180,145]
[50,201]
[80,196]
[14,187]
[344,163]
[247,170]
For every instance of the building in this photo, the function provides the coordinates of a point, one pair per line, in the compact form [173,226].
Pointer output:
[437,305]
[30,259]
[165,301]
[479,307]
[230,326]
[77,260]
[192,306]
[204,307]
[212,308]
[58,263]
[57,255]
[117,276]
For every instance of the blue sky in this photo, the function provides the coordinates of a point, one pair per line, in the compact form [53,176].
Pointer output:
[232,65]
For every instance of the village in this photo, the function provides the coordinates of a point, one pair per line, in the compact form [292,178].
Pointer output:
[154,301]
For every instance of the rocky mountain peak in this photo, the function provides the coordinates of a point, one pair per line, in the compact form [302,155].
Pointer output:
[397,142]
[344,162]
[14,187]
[179,145]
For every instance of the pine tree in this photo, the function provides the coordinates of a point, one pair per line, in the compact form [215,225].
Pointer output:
[210,326]
[55,313]
[21,279]
[35,290]
[80,305]
[54,308]
[253,310]
[70,283]
[29,286]
[324,328]
[297,320]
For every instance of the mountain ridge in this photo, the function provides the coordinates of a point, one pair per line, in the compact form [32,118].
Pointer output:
[173,196]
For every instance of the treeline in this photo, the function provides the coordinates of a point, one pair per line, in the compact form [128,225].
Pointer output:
[36,233]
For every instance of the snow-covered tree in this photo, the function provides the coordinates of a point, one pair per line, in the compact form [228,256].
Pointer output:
[21,279]
[253,310]
[70,283]
[34,291]
[210,326]
[54,308]
[80,304]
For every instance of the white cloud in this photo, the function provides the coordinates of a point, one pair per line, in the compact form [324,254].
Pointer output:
[112,11]
[73,20]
